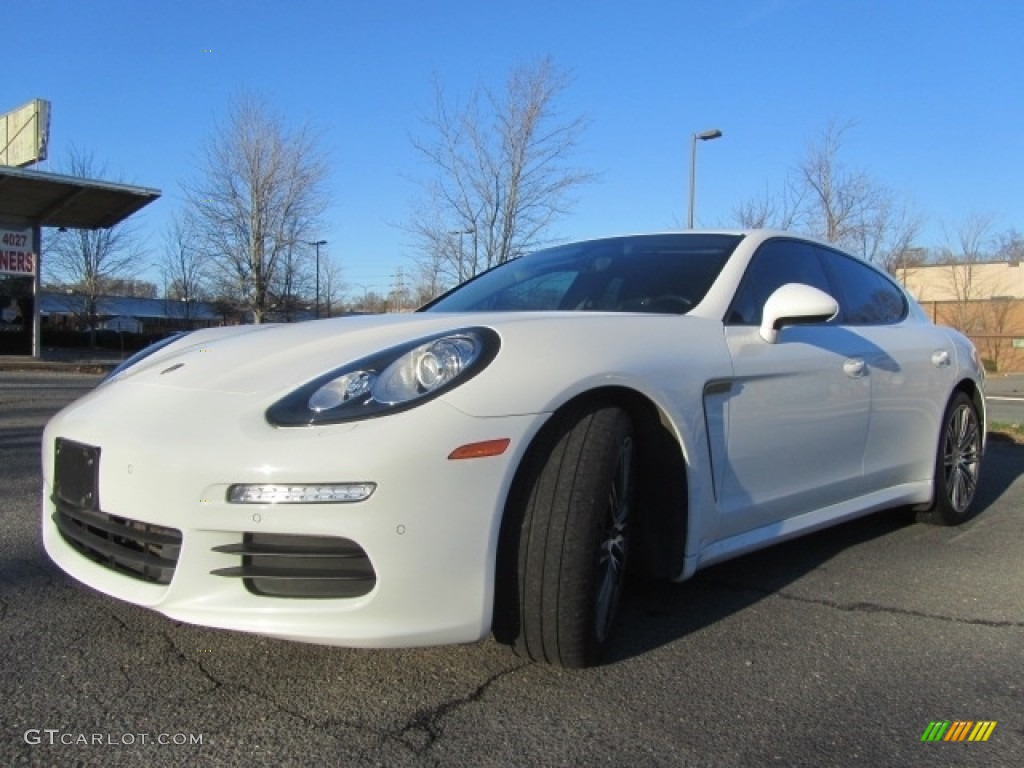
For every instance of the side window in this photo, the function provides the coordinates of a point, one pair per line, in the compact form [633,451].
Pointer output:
[776,263]
[868,297]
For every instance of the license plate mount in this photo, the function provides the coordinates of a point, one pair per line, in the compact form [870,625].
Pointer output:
[76,473]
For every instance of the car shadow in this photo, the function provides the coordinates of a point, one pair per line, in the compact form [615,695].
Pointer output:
[654,614]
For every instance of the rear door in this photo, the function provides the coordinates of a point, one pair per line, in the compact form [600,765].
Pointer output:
[911,365]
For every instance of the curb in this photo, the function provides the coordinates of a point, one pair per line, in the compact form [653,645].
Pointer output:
[53,366]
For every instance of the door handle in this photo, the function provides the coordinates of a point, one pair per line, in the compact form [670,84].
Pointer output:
[940,358]
[855,367]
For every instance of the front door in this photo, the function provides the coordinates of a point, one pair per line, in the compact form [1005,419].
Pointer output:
[793,419]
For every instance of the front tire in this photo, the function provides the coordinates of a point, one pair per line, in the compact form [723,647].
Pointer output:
[573,540]
[957,464]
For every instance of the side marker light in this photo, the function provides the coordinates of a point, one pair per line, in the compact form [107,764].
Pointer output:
[480,450]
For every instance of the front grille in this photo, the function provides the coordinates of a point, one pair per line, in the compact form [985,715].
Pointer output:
[282,565]
[141,550]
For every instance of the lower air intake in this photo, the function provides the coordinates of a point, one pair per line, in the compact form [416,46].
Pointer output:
[141,550]
[282,565]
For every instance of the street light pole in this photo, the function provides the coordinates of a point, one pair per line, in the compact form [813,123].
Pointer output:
[714,133]
[317,244]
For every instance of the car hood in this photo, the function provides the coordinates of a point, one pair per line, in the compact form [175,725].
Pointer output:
[267,358]
[545,357]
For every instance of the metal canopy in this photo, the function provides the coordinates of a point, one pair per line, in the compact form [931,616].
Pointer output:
[52,200]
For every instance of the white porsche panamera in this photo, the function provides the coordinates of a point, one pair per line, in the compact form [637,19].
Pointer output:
[497,460]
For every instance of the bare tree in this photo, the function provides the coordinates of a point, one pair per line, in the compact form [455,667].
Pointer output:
[1010,246]
[293,281]
[369,301]
[128,286]
[983,305]
[967,247]
[781,211]
[182,265]
[331,283]
[501,172]
[888,234]
[840,201]
[825,198]
[996,324]
[427,281]
[87,261]
[259,192]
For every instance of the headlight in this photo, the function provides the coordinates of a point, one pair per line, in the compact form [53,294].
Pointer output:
[427,368]
[392,381]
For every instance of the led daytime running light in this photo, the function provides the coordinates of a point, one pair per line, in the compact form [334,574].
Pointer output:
[319,493]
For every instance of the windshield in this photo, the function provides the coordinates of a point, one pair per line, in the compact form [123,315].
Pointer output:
[667,274]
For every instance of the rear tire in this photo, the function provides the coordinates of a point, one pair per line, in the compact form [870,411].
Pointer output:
[957,464]
[573,540]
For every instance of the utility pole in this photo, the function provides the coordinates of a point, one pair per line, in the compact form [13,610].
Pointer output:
[399,289]
[317,244]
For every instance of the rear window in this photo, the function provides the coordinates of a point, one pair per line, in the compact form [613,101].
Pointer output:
[868,298]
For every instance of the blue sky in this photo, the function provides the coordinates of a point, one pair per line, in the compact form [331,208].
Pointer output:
[936,89]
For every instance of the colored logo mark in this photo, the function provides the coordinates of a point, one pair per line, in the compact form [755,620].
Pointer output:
[958,730]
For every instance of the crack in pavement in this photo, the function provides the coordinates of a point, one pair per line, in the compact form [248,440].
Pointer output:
[128,680]
[117,619]
[418,734]
[866,607]
[264,697]
[426,722]
[178,654]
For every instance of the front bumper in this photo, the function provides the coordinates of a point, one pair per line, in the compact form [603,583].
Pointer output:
[428,533]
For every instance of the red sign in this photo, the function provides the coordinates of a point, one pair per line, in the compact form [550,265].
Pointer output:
[17,256]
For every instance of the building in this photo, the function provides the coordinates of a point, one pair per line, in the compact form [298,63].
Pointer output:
[67,311]
[29,202]
[984,300]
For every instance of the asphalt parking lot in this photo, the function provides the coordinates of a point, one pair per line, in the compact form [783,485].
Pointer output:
[837,649]
[1005,398]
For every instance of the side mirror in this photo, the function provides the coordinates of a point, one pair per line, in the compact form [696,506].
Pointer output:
[795,304]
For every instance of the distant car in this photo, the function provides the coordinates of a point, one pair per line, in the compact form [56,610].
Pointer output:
[498,460]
